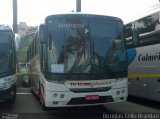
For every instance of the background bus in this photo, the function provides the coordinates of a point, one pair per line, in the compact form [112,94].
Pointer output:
[23,67]
[7,64]
[79,60]
[23,74]
[144,58]
[17,41]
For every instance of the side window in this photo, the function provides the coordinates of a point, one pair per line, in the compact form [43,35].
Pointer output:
[13,54]
[43,56]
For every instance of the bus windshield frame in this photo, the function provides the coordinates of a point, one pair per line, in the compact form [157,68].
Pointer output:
[90,46]
[6,52]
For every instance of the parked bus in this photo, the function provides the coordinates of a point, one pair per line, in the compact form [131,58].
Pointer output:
[7,64]
[144,58]
[79,60]
[17,41]
[23,67]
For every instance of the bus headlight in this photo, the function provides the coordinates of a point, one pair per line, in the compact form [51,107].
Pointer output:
[5,85]
[61,95]
[122,91]
[120,79]
[7,82]
[55,95]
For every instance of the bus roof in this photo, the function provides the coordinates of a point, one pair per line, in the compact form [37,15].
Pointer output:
[4,27]
[85,15]
[149,11]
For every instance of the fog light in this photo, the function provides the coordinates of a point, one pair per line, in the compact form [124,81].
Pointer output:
[118,92]
[62,96]
[55,103]
[55,95]
[122,98]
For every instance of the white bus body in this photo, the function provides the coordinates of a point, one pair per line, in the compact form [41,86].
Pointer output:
[144,58]
[7,64]
[74,62]
[144,72]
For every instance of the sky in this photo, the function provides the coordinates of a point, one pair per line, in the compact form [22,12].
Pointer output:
[33,12]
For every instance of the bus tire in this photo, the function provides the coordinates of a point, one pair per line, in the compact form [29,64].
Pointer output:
[14,96]
[44,107]
[12,101]
[32,91]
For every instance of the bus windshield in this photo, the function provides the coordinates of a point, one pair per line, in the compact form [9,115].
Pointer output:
[5,51]
[23,67]
[86,46]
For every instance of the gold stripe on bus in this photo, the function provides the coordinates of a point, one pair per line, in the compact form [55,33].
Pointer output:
[23,73]
[143,75]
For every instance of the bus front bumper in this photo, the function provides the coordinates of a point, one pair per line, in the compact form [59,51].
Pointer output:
[79,99]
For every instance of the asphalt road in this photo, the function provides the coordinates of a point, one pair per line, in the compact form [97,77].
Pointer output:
[27,106]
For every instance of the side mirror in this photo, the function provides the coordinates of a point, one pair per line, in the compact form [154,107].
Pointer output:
[50,29]
[135,36]
[42,33]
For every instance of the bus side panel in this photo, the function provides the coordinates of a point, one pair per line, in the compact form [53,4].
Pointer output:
[154,89]
[138,87]
[35,75]
[144,73]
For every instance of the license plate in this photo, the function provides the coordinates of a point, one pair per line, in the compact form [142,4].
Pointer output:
[92,97]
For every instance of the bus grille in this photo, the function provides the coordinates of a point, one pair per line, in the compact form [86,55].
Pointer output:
[81,100]
[78,90]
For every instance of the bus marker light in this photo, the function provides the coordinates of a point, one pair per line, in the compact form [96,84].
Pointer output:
[62,96]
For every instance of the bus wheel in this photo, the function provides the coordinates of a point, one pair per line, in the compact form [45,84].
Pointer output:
[14,96]
[32,90]
[12,101]
[44,107]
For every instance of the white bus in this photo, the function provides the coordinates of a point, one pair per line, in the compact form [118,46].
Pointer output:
[7,64]
[23,67]
[144,58]
[79,60]
[17,41]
